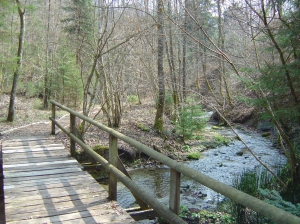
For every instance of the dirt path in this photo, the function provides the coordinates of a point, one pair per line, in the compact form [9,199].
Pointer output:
[36,129]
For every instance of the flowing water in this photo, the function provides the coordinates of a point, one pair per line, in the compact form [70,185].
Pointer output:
[222,164]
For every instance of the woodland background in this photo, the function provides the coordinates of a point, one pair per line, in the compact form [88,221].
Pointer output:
[240,59]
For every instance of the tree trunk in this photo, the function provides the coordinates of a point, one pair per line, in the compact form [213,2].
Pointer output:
[185,26]
[170,54]
[221,40]
[46,78]
[158,124]
[221,46]
[11,109]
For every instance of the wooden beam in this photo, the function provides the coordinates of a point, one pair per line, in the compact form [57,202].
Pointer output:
[52,123]
[72,130]
[113,159]
[174,203]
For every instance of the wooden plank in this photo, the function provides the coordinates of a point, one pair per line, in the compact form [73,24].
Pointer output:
[36,154]
[44,210]
[56,199]
[46,154]
[35,160]
[31,144]
[39,164]
[9,142]
[51,193]
[62,175]
[40,168]
[40,173]
[33,141]
[20,187]
[55,189]
[50,211]
[100,196]
[28,149]
[48,179]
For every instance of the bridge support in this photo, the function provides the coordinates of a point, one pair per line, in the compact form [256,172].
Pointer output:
[174,203]
[54,117]
[72,130]
[113,159]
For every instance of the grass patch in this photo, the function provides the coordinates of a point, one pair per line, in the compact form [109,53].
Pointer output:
[217,141]
[248,182]
[133,99]
[143,127]
[193,155]
[100,149]
[37,104]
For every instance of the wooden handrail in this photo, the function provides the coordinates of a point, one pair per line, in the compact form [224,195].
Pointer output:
[176,169]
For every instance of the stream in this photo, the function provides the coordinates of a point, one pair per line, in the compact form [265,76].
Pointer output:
[223,164]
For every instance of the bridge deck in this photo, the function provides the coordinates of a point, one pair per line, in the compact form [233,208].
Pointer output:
[43,184]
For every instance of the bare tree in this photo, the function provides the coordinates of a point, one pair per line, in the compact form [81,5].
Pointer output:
[11,108]
[158,123]
[46,77]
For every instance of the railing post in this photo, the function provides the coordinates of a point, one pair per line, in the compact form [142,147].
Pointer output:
[52,123]
[72,130]
[113,159]
[174,203]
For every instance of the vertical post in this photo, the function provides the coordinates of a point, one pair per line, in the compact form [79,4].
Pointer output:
[174,203]
[53,116]
[72,130]
[113,159]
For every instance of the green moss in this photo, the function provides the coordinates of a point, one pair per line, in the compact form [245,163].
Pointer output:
[98,174]
[265,134]
[217,141]
[80,127]
[193,155]
[100,149]
[158,125]
[81,156]
[143,127]
[217,128]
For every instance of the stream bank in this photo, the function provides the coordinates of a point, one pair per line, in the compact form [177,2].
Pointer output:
[224,164]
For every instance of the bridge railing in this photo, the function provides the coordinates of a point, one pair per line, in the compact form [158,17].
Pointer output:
[176,170]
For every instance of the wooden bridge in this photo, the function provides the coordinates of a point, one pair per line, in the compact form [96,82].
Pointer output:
[43,184]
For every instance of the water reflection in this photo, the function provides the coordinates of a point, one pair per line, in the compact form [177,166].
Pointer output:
[154,181]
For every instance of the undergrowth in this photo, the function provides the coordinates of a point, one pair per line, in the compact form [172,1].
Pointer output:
[259,184]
